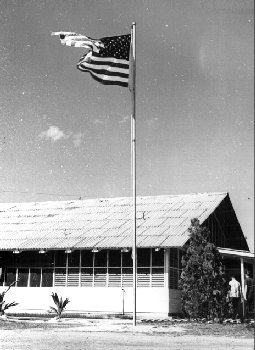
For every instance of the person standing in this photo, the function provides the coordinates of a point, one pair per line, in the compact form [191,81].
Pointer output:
[235,295]
[248,294]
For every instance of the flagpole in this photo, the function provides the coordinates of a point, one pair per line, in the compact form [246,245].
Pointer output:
[133,160]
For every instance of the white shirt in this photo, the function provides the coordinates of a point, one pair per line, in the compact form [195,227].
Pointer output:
[235,289]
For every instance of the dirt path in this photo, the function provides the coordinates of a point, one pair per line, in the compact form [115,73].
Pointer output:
[80,338]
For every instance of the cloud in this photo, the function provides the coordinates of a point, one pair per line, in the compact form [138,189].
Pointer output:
[77,139]
[53,133]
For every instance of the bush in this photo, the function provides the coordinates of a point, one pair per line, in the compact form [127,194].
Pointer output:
[60,305]
[3,305]
[202,283]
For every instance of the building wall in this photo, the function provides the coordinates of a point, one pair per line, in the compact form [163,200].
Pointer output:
[174,301]
[83,300]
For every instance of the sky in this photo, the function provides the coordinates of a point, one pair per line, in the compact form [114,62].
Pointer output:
[64,136]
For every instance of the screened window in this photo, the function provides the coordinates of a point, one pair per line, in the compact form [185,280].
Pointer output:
[22,277]
[35,277]
[74,259]
[34,259]
[60,258]
[46,259]
[174,268]
[106,268]
[127,260]
[101,258]
[158,257]
[10,276]
[86,258]
[143,257]
[114,258]
[174,257]
[47,277]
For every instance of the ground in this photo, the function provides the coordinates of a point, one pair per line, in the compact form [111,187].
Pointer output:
[97,334]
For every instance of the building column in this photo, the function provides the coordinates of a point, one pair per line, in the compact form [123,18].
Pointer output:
[167,255]
[242,281]
[166,272]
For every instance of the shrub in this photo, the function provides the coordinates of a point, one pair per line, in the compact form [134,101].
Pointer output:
[202,283]
[3,305]
[60,305]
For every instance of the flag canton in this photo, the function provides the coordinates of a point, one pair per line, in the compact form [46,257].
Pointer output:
[116,46]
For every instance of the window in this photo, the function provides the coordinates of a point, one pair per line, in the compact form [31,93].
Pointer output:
[60,258]
[114,258]
[114,268]
[60,277]
[143,277]
[158,277]
[47,259]
[22,277]
[158,257]
[100,277]
[86,258]
[127,277]
[47,277]
[143,257]
[114,277]
[174,267]
[101,258]
[35,277]
[10,276]
[73,277]
[74,259]
[87,277]
[127,260]
[106,268]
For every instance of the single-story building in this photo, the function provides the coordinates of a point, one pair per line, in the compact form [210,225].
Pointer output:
[82,249]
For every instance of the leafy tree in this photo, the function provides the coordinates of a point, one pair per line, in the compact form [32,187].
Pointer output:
[60,305]
[202,283]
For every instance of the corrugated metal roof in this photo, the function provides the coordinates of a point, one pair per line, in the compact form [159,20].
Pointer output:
[162,221]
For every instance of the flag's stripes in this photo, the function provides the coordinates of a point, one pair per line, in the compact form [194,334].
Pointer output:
[117,61]
[104,64]
[106,80]
[105,69]
[102,70]
[105,72]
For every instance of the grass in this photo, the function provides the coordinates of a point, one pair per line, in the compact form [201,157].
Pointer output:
[243,330]
[14,325]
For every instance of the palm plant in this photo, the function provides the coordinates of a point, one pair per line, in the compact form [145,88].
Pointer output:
[3,305]
[60,305]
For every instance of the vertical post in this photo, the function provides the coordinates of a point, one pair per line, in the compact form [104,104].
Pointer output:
[242,282]
[133,157]
[123,301]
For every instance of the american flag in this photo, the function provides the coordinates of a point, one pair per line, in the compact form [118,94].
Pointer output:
[107,59]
